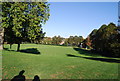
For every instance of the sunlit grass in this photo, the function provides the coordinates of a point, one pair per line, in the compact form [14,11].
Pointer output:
[56,62]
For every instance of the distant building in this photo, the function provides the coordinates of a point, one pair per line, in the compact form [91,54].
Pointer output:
[1,38]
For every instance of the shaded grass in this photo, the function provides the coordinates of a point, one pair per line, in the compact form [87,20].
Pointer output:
[97,59]
[53,63]
[28,50]
[88,54]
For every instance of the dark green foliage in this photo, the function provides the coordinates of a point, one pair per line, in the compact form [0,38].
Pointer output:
[22,21]
[74,40]
[92,37]
[107,40]
[56,40]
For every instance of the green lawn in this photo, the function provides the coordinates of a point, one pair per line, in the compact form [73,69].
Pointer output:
[57,62]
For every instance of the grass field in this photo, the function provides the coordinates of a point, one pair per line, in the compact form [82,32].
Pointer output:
[57,62]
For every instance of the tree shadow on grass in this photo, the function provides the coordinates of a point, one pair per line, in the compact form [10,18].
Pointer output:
[28,50]
[92,53]
[86,52]
[95,56]
[31,50]
[96,59]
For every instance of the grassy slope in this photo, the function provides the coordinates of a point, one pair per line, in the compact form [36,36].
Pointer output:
[53,63]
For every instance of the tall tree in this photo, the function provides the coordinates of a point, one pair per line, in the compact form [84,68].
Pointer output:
[91,37]
[23,21]
[106,40]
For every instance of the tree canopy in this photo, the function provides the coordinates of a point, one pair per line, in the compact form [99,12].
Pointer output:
[106,40]
[23,21]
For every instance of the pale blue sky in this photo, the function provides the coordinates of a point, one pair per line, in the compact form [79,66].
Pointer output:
[79,18]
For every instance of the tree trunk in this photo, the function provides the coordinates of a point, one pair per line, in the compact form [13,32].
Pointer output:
[18,48]
[10,46]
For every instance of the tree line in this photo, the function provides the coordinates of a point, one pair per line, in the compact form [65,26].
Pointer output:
[105,40]
[58,40]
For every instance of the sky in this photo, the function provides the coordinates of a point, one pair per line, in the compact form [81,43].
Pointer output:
[79,18]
